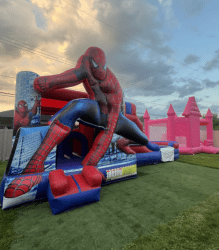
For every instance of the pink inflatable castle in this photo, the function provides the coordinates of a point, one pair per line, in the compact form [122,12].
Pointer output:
[193,134]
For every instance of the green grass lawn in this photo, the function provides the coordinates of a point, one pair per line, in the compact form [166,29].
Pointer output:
[7,219]
[171,205]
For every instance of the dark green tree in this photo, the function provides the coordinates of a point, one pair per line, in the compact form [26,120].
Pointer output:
[215,121]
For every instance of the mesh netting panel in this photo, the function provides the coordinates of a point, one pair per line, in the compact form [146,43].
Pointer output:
[158,133]
[181,140]
[30,144]
[26,147]
[203,133]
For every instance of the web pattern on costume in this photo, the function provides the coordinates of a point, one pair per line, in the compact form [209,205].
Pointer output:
[21,185]
[54,136]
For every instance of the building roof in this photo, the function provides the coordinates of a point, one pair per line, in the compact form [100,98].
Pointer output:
[8,113]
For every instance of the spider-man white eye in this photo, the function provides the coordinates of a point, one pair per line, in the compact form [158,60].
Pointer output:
[19,105]
[105,67]
[94,64]
[25,105]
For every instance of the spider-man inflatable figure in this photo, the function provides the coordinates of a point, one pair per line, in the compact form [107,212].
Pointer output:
[102,109]
[22,116]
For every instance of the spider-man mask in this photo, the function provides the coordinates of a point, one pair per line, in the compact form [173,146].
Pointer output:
[22,108]
[98,63]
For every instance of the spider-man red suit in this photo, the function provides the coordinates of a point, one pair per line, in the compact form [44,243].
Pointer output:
[102,109]
[22,115]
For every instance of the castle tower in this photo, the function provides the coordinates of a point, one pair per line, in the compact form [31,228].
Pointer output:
[209,118]
[171,124]
[146,120]
[192,114]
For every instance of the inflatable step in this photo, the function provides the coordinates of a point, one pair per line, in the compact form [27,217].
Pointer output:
[68,192]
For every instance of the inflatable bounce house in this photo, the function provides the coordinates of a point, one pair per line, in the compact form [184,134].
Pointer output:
[193,134]
[50,162]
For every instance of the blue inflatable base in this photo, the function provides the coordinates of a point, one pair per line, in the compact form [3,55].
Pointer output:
[152,158]
[72,201]
[119,179]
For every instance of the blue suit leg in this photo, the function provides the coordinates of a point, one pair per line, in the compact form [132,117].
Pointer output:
[86,109]
[131,131]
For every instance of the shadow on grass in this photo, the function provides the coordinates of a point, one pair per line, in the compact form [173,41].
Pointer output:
[140,174]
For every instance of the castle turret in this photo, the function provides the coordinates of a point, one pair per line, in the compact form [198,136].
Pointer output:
[209,118]
[146,120]
[171,124]
[192,114]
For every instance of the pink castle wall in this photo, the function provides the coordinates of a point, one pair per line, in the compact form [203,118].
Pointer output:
[185,130]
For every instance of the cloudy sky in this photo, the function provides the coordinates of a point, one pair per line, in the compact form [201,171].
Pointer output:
[161,51]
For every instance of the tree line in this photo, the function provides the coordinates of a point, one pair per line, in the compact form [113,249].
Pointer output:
[215,121]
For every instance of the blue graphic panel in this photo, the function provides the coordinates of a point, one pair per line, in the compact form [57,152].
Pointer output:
[26,147]
[113,155]
[29,141]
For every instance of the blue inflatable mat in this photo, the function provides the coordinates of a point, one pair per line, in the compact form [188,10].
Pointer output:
[79,193]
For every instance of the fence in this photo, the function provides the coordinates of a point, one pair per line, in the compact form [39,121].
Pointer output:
[7,134]
[216,138]
[5,143]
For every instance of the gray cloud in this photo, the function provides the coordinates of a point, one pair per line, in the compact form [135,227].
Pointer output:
[191,59]
[171,20]
[18,22]
[123,52]
[126,23]
[214,108]
[152,109]
[190,88]
[158,85]
[137,20]
[210,84]
[158,112]
[212,64]
[180,104]
[193,7]
[203,108]
[134,20]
